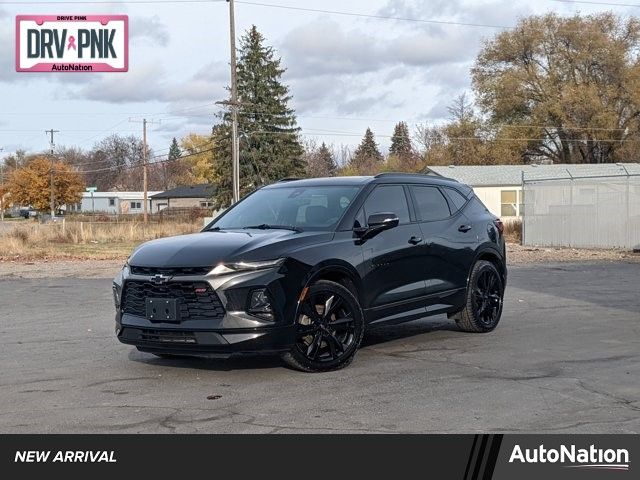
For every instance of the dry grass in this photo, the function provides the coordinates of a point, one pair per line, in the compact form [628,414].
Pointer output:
[83,240]
[513,231]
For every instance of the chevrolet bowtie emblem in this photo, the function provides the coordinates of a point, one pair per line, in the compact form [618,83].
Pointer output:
[159,279]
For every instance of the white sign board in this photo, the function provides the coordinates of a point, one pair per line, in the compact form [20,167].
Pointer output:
[72,43]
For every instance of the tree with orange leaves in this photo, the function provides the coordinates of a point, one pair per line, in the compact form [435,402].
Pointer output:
[30,185]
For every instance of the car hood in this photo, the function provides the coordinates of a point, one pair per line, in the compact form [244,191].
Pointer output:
[213,247]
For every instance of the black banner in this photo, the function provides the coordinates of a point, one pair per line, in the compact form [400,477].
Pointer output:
[465,457]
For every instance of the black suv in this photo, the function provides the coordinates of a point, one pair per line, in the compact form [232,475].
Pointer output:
[303,267]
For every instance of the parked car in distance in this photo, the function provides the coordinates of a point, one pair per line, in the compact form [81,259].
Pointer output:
[28,212]
[302,268]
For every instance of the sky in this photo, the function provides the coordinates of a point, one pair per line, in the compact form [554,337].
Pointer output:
[346,72]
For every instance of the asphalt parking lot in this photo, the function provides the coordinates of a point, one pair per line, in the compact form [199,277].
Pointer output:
[564,359]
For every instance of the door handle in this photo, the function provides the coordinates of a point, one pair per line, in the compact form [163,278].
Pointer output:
[464,228]
[415,240]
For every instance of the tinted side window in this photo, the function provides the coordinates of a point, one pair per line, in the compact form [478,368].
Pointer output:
[388,198]
[456,198]
[476,207]
[430,203]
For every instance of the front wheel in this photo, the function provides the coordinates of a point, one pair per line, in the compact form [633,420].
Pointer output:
[485,294]
[329,329]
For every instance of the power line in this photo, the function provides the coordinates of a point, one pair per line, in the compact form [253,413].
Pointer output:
[504,125]
[268,5]
[446,137]
[102,2]
[377,17]
[114,114]
[159,162]
[607,4]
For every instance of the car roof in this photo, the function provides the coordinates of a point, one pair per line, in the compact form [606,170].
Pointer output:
[381,178]
[313,182]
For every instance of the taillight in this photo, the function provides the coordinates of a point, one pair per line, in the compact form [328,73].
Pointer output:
[499,225]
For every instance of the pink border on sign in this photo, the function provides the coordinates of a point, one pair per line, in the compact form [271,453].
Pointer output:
[97,67]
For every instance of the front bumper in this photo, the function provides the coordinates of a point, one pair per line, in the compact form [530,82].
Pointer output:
[231,332]
[214,343]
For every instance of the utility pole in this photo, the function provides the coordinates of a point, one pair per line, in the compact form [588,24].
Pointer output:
[144,164]
[52,199]
[235,144]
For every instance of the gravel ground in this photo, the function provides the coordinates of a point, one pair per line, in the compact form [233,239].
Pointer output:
[516,255]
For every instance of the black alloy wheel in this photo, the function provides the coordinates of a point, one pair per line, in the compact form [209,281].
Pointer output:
[487,296]
[328,328]
[484,300]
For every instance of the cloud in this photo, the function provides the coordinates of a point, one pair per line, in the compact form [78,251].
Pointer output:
[361,104]
[140,84]
[148,82]
[350,71]
[324,47]
[492,12]
[150,29]
[207,84]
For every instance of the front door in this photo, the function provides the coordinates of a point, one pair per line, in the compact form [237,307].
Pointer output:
[393,278]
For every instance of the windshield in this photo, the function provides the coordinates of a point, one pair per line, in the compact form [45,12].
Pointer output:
[296,208]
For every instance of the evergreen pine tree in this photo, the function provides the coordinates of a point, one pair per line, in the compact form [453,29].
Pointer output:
[270,147]
[367,156]
[401,142]
[326,161]
[174,150]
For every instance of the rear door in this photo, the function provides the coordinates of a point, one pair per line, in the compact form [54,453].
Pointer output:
[393,276]
[446,242]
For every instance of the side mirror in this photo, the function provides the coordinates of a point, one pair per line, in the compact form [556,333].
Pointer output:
[383,221]
[377,223]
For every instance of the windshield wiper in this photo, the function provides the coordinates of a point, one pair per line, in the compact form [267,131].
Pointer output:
[266,226]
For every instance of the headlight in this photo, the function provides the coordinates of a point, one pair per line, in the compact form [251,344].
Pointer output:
[224,268]
[116,295]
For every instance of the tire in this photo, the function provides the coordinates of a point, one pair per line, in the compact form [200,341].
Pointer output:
[484,300]
[326,342]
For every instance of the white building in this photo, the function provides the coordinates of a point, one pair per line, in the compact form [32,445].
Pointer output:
[500,186]
[112,203]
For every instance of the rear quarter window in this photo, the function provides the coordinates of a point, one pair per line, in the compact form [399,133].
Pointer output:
[456,198]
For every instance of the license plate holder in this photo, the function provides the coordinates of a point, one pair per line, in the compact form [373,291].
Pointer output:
[162,309]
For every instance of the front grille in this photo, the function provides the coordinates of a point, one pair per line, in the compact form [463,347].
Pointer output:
[170,271]
[191,305]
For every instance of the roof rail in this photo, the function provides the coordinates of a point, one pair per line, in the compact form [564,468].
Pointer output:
[289,179]
[420,175]
[397,174]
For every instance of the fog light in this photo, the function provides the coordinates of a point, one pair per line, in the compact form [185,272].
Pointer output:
[260,304]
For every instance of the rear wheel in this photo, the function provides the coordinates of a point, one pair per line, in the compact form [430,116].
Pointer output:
[329,329]
[483,306]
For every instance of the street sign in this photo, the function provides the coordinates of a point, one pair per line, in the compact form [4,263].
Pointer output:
[72,43]
[92,189]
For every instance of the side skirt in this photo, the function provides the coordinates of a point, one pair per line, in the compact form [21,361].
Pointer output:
[406,311]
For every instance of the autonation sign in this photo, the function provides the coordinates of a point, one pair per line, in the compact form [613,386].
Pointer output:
[72,43]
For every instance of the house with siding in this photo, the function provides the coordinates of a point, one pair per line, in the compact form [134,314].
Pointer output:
[187,196]
[499,187]
[119,203]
